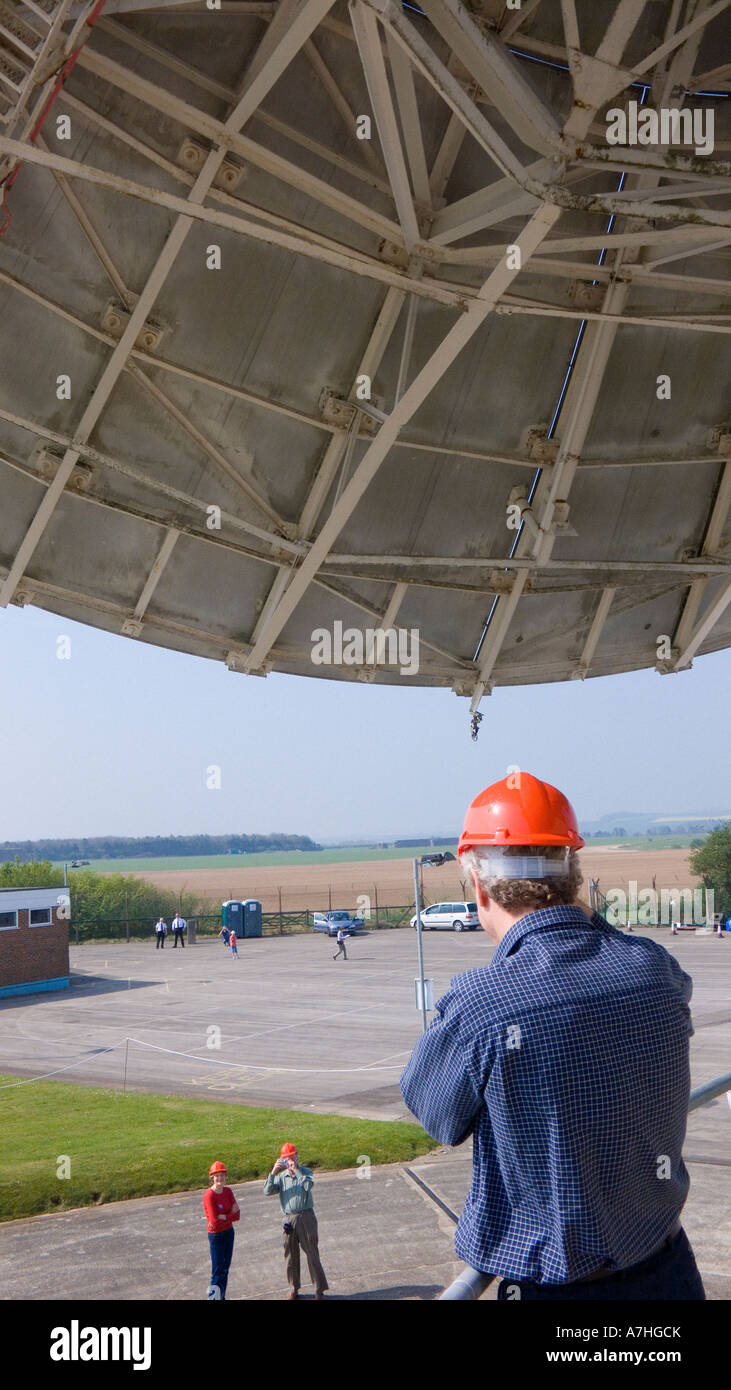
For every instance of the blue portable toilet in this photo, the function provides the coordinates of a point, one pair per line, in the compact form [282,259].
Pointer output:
[252,917]
[232,916]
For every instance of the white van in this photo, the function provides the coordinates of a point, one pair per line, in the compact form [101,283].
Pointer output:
[449,917]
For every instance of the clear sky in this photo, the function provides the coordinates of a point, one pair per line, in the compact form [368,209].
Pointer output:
[118,739]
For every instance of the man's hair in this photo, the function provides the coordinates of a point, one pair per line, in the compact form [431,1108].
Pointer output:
[530,893]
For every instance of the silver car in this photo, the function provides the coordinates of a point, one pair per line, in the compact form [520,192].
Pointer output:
[449,917]
[332,922]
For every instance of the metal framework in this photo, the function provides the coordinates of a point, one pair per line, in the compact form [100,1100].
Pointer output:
[480,207]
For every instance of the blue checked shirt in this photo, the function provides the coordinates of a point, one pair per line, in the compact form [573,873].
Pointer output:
[567,1059]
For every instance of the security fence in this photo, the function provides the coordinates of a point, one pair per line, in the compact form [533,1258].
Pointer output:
[84,930]
[352,892]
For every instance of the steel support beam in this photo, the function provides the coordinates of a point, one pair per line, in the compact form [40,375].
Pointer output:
[350,260]
[145,477]
[680,37]
[199,121]
[347,114]
[333,457]
[246,485]
[209,539]
[403,80]
[496,72]
[153,578]
[365,28]
[582,394]
[573,427]
[512,22]
[711,543]
[654,569]
[595,631]
[431,373]
[700,633]
[264,70]
[234,475]
[372,176]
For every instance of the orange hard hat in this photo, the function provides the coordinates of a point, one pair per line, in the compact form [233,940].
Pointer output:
[287,1151]
[217,1167]
[520,810]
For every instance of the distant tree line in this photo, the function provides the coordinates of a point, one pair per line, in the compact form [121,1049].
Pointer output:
[415,844]
[692,828]
[151,846]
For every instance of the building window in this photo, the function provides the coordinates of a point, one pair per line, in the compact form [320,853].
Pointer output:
[8,920]
[40,917]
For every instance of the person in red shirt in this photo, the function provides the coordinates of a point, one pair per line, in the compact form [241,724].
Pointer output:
[221,1210]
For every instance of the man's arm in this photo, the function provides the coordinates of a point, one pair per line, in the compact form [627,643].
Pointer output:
[437,1085]
[684,985]
[271,1185]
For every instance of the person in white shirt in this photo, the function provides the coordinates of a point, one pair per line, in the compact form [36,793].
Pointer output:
[161,927]
[179,925]
[341,939]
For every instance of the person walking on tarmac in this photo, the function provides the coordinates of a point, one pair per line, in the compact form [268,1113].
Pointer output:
[221,1210]
[293,1182]
[341,939]
[566,1058]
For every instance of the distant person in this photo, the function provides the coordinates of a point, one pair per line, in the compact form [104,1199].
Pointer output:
[224,935]
[578,1174]
[160,932]
[179,924]
[234,945]
[341,939]
[221,1210]
[294,1187]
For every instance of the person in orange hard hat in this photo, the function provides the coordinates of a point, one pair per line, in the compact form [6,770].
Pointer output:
[221,1210]
[293,1182]
[566,1059]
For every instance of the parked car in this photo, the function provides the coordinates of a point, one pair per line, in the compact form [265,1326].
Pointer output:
[331,922]
[449,917]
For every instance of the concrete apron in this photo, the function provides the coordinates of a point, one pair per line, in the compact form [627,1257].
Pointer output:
[381,1238]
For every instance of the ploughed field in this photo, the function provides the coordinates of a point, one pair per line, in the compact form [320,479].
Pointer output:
[390,881]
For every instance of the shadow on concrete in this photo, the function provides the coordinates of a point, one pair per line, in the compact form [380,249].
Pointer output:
[103,984]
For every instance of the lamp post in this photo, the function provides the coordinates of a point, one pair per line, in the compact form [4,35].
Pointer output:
[437,860]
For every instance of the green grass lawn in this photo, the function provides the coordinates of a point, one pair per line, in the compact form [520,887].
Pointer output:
[352,855]
[135,1145]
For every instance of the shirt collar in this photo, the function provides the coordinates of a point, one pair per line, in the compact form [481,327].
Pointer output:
[545,917]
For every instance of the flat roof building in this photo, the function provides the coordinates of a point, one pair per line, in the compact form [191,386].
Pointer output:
[34,940]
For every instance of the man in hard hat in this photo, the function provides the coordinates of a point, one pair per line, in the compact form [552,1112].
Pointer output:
[221,1210]
[294,1182]
[567,1059]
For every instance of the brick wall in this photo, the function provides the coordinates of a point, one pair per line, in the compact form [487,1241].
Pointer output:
[34,953]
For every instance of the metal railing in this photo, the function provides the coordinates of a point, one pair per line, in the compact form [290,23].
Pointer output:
[471,1283]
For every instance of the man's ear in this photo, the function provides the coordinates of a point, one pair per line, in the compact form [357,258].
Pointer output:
[481,897]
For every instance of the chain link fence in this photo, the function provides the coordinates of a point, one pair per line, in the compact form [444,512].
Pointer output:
[84,930]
